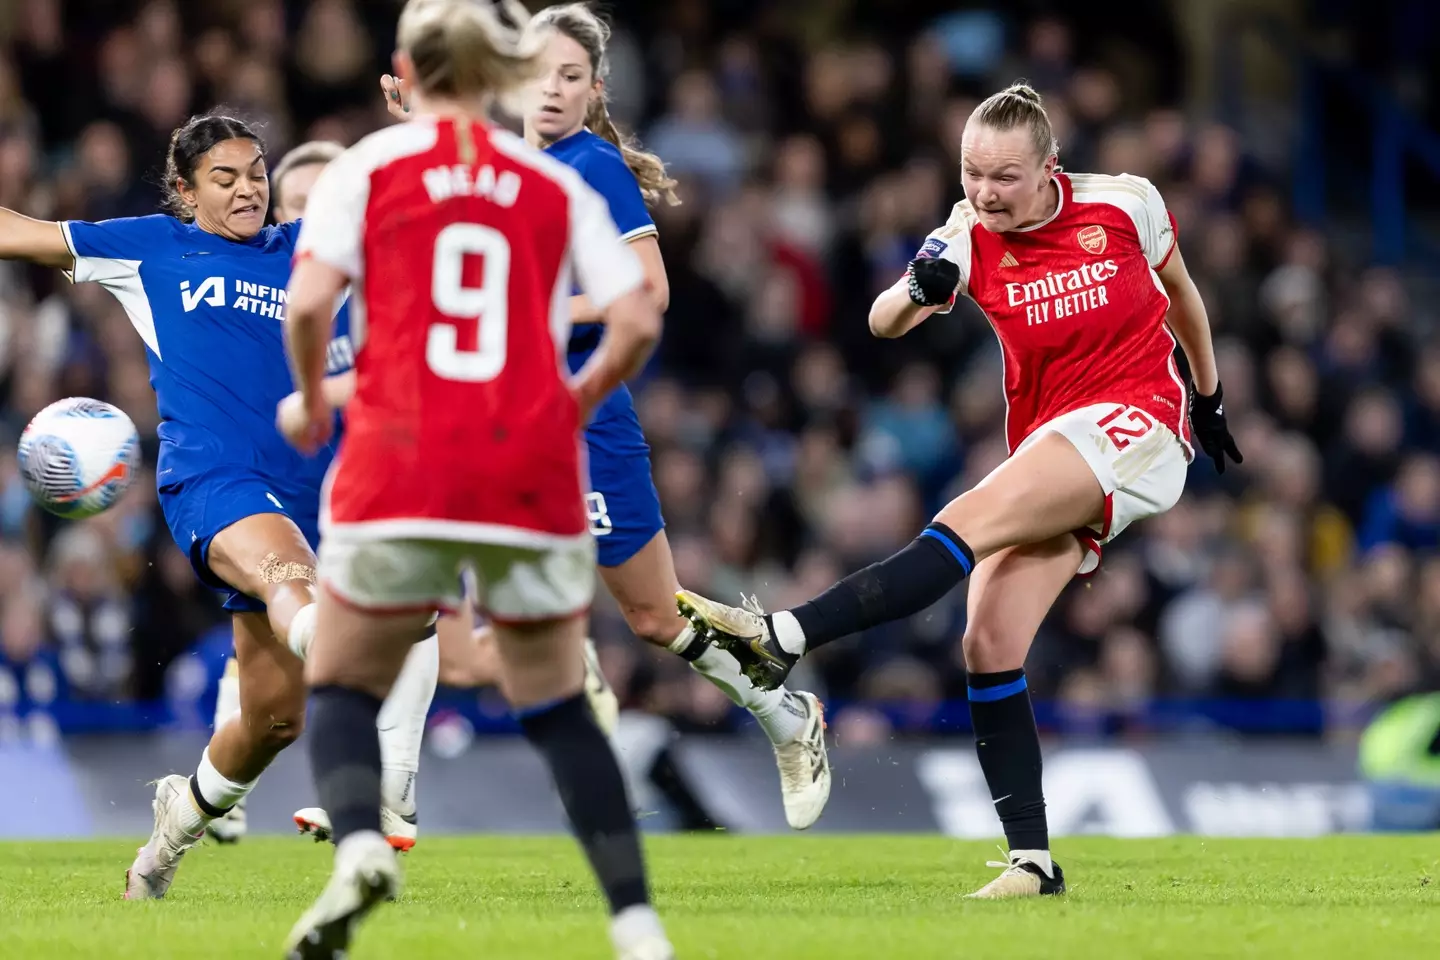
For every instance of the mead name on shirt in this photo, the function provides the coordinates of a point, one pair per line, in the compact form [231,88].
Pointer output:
[459,180]
[1064,294]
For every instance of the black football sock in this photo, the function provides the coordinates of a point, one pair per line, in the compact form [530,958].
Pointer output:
[345,758]
[903,584]
[1008,745]
[592,790]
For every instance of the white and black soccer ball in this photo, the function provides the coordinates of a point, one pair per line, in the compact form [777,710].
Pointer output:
[78,456]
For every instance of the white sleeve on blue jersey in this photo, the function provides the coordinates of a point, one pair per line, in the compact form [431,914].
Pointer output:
[333,227]
[110,253]
[613,180]
[605,266]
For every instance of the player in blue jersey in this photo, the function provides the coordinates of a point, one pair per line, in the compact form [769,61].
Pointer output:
[205,289]
[402,723]
[567,116]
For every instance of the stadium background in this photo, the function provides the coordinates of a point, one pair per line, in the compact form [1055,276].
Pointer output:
[816,142]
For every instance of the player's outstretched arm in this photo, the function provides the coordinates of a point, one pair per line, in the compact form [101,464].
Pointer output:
[1187,318]
[39,241]
[657,283]
[309,317]
[894,314]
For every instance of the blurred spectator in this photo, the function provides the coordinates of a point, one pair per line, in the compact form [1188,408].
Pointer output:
[815,147]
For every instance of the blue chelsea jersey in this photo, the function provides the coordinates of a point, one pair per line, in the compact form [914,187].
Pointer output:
[601,165]
[211,312]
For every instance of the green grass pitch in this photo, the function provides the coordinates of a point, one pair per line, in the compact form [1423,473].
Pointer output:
[752,898]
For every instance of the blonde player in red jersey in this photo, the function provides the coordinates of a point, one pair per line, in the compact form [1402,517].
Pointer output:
[1080,277]
[461,452]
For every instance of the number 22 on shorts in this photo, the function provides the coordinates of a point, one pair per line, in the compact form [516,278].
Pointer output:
[1126,425]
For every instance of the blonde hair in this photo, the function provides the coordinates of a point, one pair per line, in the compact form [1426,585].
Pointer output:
[578,22]
[462,48]
[305,155]
[1018,105]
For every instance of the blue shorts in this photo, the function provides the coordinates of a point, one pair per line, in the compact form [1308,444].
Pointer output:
[623,505]
[200,507]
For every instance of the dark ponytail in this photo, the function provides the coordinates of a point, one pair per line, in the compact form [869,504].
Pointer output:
[191,142]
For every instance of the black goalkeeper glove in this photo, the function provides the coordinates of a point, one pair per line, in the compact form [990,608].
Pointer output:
[932,281]
[1207,420]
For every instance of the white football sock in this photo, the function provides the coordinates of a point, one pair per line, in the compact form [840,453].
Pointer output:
[1041,859]
[218,790]
[402,725]
[227,699]
[302,631]
[787,632]
[767,706]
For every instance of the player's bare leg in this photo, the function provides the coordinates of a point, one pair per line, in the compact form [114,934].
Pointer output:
[272,715]
[468,656]
[402,731]
[230,828]
[474,661]
[352,666]
[645,587]
[544,677]
[267,557]
[1042,491]
[1010,594]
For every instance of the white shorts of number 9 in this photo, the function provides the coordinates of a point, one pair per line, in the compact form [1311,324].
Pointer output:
[1140,463]
[513,584]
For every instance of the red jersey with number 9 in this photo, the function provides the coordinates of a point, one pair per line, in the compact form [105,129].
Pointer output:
[1076,302]
[463,245]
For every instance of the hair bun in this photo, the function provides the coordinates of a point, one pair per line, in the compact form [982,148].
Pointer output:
[1025,92]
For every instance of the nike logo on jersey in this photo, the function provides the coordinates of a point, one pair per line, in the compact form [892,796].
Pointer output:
[273,499]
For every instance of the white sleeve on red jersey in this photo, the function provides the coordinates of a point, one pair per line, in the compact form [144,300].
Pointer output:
[605,266]
[1140,201]
[332,229]
[952,242]
[1154,224]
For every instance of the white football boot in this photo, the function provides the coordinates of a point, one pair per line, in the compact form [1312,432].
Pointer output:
[155,863]
[400,831]
[805,767]
[366,872]
[604,705]
[1023,874]
[637,934]
[655,948]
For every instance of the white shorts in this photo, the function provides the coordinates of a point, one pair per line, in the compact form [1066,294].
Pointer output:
[1140,463]
[512,584]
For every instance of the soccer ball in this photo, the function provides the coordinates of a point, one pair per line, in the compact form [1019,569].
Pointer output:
[77,456]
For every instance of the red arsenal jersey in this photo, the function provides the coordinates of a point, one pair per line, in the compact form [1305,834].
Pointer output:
[1076,301]
[463,245]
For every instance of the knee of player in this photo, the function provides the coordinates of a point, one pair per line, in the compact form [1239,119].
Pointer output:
[277,733]
[654,624]
[991,647]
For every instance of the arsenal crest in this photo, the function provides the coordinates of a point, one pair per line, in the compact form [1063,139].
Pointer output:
[1091,238]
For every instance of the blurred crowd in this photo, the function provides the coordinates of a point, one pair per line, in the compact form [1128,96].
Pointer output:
[815,146]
